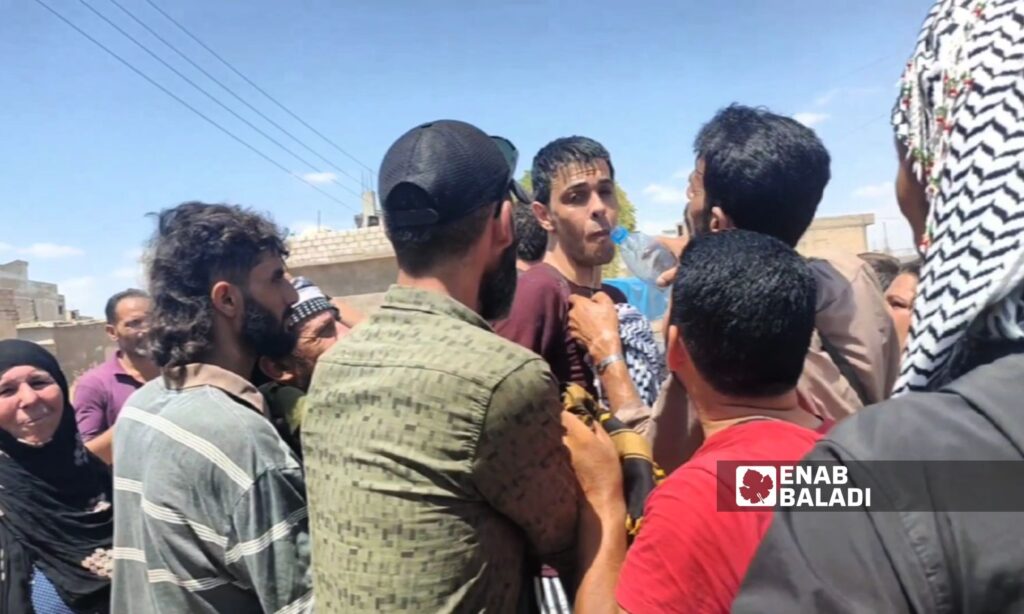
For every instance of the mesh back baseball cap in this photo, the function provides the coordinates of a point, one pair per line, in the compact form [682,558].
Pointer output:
[441,171]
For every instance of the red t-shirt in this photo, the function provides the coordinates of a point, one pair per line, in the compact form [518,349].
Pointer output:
[690,557]
[539,321]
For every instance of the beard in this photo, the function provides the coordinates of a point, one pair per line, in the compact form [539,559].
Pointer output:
[498,287]
[580,251]
[139,348]
[265,333]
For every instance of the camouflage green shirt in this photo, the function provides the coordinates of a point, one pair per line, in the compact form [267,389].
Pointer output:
[434,464]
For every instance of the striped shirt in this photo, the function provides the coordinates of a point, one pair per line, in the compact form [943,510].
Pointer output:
[211,503]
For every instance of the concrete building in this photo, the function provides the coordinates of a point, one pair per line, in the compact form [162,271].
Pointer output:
[844,233]
[35,301]
[357,265]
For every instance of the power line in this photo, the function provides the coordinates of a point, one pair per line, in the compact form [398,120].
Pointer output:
[231,91]
[258,88]
[189,106]
[212,97]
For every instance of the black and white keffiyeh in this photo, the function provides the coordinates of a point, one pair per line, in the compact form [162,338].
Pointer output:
[644,359]
[961,116]
[311,301]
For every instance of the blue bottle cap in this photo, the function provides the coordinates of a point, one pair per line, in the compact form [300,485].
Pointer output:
[618,235]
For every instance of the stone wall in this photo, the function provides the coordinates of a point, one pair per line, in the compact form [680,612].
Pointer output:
[8,315]
[357,265]
[78,346]
[350,280]
[35,301]
[845,233]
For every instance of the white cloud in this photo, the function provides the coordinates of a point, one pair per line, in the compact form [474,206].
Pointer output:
[810,119]
[78,283]
[134,253]
[127,272]
[49,251]
[81,293]
[6,247]
[302,227]
[657,227]
[875,191]
[665,194]
[319,177]
[826,98]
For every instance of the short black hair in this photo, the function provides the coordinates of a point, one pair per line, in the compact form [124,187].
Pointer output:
[114,301]
[560,152]
[532,240]
[195,245]
[886,267]
[765,171]
[744,305]
[913,267]
[419,249]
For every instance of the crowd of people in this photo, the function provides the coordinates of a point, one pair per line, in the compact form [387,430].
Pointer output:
[506,433]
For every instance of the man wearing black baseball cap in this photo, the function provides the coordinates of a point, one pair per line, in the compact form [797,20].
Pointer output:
[434,451]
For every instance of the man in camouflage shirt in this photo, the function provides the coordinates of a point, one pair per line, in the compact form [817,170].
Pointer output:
[435,466]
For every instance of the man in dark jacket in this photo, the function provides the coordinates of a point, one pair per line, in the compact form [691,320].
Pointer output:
[916,559]
[962,369]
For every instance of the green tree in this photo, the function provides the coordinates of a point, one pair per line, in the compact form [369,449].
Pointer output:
[627,219]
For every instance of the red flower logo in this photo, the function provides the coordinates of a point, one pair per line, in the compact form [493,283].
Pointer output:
[756,487]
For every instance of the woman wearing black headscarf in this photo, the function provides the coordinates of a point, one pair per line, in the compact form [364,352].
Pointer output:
[56,522]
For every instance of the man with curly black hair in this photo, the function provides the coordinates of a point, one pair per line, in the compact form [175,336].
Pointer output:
[211,502]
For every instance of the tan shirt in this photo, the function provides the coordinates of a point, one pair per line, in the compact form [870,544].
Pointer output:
[850,312]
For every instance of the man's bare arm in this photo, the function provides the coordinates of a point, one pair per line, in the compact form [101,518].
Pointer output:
[103,446]
[594,323]
[601,532]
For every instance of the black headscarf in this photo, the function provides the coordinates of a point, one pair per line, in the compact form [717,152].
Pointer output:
[55,506]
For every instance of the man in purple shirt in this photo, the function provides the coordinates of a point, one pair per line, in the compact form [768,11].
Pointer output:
[101,391]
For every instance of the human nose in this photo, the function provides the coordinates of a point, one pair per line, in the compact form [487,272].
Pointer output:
[27,396]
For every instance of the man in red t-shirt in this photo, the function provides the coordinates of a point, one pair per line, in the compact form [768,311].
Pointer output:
[575,203]
[740,324]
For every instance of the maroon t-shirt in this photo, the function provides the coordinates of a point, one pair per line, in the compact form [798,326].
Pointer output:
[539,320]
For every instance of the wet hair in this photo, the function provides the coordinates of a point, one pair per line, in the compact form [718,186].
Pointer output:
[114,301]
[765,171]
[559,153]
[531,239]
[744,305]
[886,267]
[195,246]
[420,249]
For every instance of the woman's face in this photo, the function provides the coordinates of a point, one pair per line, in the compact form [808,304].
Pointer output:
[31,404]
[899,298]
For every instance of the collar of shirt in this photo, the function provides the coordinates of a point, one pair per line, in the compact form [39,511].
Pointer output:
[119,372]
[405,298]
[199,374]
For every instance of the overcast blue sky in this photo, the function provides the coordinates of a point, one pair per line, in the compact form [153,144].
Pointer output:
[88,148]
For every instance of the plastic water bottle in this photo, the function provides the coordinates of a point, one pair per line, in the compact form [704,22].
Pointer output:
[647,260]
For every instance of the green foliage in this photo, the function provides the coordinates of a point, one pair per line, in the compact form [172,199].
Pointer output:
[627,219]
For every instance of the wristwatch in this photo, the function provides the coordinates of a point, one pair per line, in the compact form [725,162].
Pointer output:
[607,362]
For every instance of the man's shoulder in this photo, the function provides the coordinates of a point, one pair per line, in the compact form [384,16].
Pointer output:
[542,279]
[973,419]
[98,376]
[205,411]
[449,345]
[840,275]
